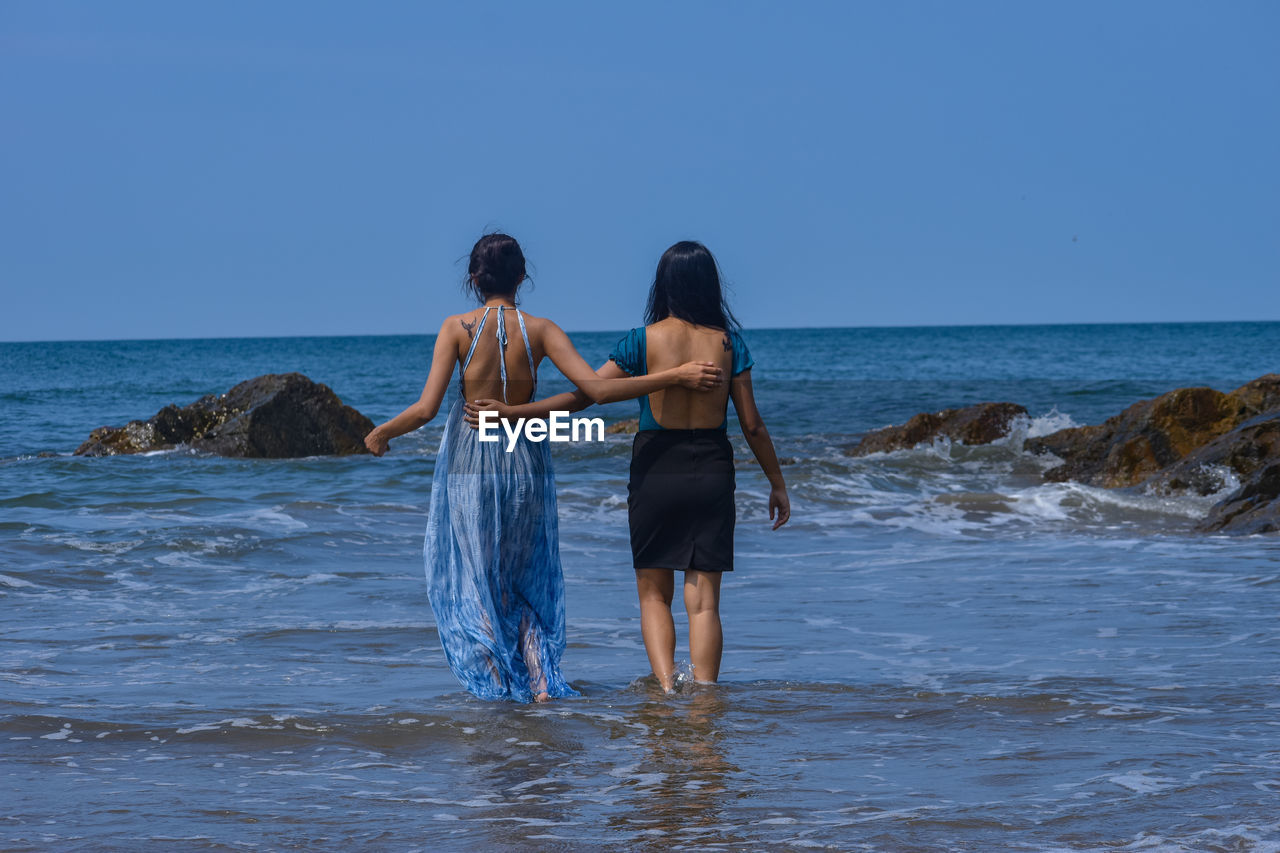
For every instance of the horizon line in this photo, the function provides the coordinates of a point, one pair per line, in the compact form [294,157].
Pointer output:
[620,329]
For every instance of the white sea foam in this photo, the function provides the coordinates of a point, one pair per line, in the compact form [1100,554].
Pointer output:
[1220,480]
[1049,423]
[948,489]
[180,560]
[96,546]
[276,516]
[1141,783]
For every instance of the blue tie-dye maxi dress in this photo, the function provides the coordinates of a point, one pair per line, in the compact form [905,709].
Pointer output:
[492,554]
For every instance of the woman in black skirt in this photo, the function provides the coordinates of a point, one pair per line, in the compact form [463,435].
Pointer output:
[680,497]
[681,493]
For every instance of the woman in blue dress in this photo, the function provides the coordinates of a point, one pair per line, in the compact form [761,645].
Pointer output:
[492,548]
[680,496]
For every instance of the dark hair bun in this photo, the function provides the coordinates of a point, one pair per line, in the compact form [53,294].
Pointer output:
[496,267]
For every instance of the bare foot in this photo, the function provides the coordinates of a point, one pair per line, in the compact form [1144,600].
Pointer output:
[542,697]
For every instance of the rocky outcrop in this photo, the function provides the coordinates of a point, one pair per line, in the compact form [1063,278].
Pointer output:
[979,424]
[626,427]
[1191,440]
[1152,435]
[279,415]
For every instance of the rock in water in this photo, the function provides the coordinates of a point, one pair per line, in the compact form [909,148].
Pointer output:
[625,427]
[979,424]
[1249,458]
[279,415]
[1236,456]
[1153,434]
[1253,508]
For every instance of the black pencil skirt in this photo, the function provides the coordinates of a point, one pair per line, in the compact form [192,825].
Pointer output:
[680,500]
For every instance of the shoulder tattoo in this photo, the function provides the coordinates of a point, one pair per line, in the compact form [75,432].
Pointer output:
[470,327]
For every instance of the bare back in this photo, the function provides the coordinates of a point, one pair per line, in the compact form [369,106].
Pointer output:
[672,342]
[482,378]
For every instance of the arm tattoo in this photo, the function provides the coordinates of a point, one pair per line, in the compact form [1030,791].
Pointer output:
[470,327]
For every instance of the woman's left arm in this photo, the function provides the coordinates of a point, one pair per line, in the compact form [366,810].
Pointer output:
[697,375]
[443,358]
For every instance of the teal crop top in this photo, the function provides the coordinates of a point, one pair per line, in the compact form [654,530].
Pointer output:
[631,355]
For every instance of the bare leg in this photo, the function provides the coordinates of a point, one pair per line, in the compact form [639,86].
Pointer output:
[656,588]
[530,642]
[702,601]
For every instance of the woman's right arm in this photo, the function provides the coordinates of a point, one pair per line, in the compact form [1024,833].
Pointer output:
[420,413]
[757,435]
[609,383]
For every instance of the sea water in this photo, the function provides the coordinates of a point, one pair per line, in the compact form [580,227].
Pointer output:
[940,651]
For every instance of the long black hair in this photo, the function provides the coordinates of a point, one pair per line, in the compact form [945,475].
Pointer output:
[687,285]
[496,267]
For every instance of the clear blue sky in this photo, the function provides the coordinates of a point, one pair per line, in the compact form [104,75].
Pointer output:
[226,169]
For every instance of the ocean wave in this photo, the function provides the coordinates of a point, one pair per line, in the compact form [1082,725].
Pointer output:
[951,489]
